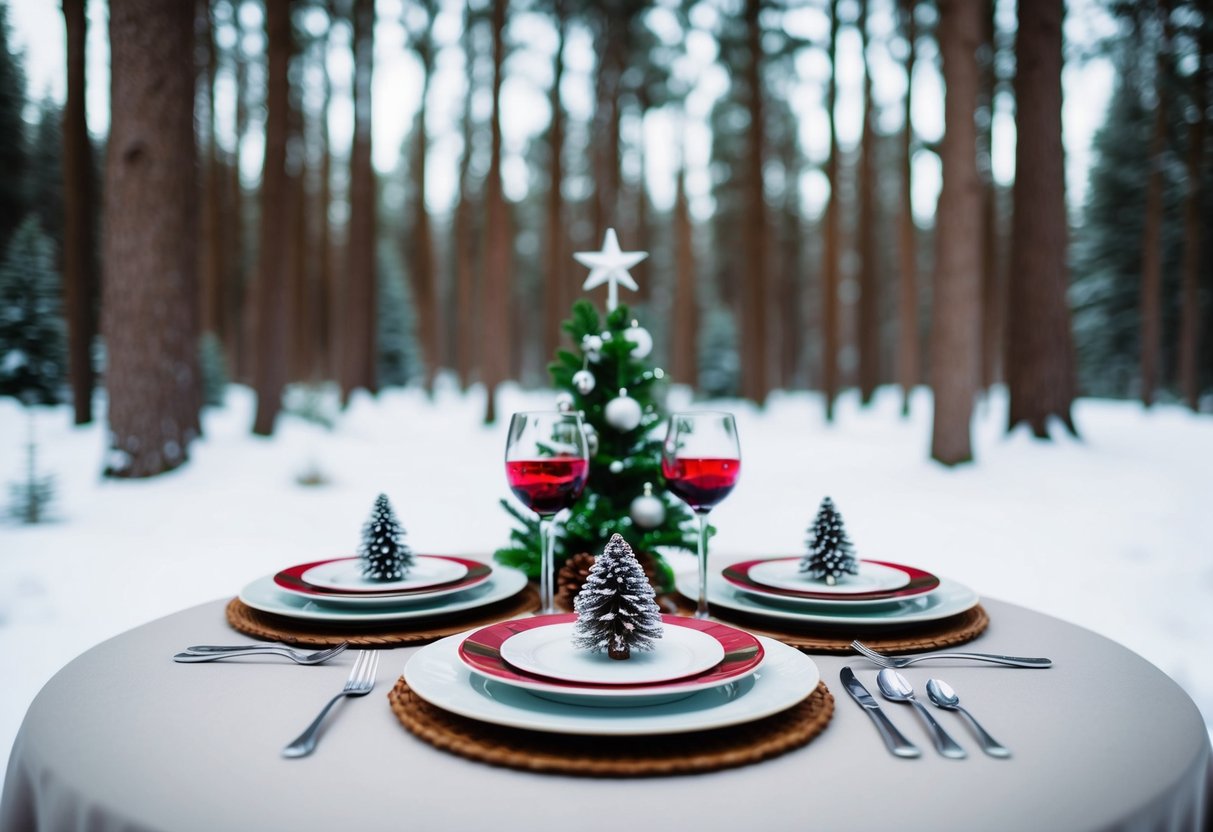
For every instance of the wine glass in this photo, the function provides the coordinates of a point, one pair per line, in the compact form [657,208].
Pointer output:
[546,462]
[701,460]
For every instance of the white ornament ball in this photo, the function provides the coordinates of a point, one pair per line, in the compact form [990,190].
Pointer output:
[642,340]
[623,413]
[591,439]
[647,511]
[616,466]
[564,401]
[583,381]
[591,345]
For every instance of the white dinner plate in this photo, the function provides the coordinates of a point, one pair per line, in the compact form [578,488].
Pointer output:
[949,599]
[784,678]
[262,594]
[346,574]
[783,573]
[549,651]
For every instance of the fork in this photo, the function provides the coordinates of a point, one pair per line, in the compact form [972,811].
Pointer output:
[903,661]
[360,683]
[211,652]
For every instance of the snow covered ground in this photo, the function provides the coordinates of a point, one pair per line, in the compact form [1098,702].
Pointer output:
[1113,532]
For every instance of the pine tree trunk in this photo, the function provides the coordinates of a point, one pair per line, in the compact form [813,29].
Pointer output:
[328,319]
[150,237]
[498,282]
[791,325]
[907,233]
[211,265]
[1040,353]
[829,269]
[467,320]
[869,269]
[606,124]
[294,215]
[270,339]
[79,261]
[1151,254]
[955,335]
[239,312]
[425,276]
[991,273]
[1189,307]
[755,383]
[556,267]
[360,346]
[684,357]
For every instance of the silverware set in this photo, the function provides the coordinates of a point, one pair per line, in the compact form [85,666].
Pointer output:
[896,688]
[215,652]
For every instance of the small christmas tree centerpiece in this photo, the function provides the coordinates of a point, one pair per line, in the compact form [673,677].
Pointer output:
[831,554]
[615,609]
[385,556]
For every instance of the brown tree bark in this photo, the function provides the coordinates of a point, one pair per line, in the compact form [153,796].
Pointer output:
[424,274]
[955,335]
[272,292]
[791,323]
[466,311]
[830,248]
[1151,248]
[149,243]
[869,269]
[327,288]
[1040,352]
[239,315]
[360,347]
[992,289]
[1189,308]
[498,283]
[907,232]
[755,382]
[684,355]
[79,261]
[607,115]
[556,266]
[211,265]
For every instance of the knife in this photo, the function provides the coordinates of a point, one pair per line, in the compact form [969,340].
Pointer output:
[893,738]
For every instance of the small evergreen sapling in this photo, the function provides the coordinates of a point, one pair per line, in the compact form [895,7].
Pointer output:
[830,551]
[615,609]
[385,557]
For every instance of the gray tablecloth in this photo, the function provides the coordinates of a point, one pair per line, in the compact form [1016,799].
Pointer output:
[123,738]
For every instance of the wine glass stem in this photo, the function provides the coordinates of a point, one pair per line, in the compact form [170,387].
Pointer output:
[701,611]
[547,565]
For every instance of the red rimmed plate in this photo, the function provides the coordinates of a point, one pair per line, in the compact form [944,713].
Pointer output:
[481,652]
[291,580]
[895,582]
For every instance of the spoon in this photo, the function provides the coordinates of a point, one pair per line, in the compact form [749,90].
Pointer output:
[895,688]
[941,693]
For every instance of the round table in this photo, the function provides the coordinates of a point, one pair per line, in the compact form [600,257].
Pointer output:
[123,738]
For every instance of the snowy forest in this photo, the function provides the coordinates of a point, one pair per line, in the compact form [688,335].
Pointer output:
[229,222]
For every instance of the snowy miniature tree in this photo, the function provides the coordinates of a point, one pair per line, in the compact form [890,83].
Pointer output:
[830,552]
[385,557]
[615,609]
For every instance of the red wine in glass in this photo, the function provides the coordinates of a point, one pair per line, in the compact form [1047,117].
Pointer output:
[701,483]
[547,486]
[547,462]
[701,460]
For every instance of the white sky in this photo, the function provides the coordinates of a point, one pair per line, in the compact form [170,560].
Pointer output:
[38,31]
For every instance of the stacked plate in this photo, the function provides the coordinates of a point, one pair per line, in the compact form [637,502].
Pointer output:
[334,590]
[882,594]
[526,673]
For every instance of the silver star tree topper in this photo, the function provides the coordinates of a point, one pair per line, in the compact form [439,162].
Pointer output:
[610,266]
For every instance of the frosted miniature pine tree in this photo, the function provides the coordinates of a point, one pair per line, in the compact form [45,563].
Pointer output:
[615,609]
[385,557]
[830,551]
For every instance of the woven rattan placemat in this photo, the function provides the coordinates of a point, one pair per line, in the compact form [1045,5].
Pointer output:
[614,756]
[374,634]
[816,638]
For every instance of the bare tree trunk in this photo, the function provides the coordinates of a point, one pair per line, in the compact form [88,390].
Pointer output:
[606,122]
[327,290]
[270,366]
[829,269]
[79,261]
[466,340]
[1151,251]
[992,290]
[211,267]
[239,313]
[425,276]
[790,305]
[869,270]
[684,357]
[360,348]
[498,278]
[1189,307]
[755,383]
[907,233]
[556,254]
[149,239]
[1040,352]
[955,337]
